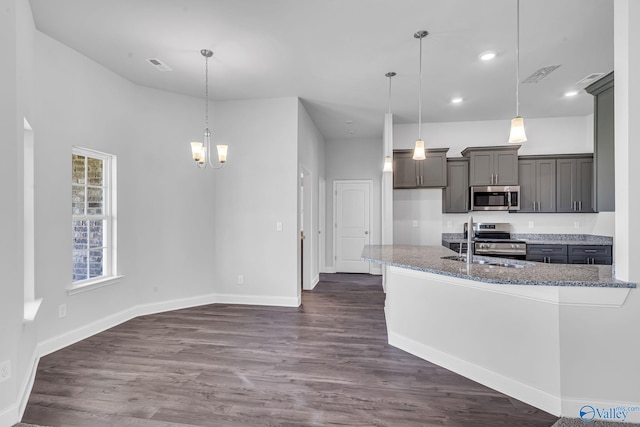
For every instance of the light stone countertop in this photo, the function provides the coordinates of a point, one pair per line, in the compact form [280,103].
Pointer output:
[544,239]
[429,259]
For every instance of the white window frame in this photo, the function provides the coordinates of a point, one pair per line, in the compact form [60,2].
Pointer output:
[109,263]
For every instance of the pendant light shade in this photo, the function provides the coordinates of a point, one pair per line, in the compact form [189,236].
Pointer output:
[517,133]
[388,164]
[418,151]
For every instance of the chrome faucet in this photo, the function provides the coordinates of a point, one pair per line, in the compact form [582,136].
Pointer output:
[469,240]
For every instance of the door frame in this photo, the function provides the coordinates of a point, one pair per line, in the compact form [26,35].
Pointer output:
[369,182]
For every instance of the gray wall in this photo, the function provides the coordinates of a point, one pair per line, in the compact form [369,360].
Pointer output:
[355,159]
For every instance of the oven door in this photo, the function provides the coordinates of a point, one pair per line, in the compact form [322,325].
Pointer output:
[495,198]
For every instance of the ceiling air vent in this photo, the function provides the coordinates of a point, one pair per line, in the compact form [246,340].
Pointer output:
[160,66]
[540,74]
[589,79]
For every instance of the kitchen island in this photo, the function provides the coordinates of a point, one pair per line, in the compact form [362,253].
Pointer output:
[525,330]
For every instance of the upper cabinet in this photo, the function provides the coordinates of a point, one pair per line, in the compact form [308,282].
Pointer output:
[493,165]
[455,197]
[537,180]
[603,147]
[574,186]
[428,173]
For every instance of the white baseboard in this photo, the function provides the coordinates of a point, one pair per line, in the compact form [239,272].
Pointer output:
[258,300]
[328,270]
[27,385]
[533,396]
[9,416]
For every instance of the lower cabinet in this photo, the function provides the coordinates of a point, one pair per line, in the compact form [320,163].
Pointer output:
[570,254]
[551,254]
[596,254]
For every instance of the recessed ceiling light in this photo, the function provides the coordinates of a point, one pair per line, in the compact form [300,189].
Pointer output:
[456,100]
[487,56]
[571,93]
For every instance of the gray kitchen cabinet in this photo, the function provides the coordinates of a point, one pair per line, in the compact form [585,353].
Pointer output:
[455,196]
[428,173]
[492,165]
[603,142]
[590,254]
[551,254]
[574,184]
[456,247]
[537,180]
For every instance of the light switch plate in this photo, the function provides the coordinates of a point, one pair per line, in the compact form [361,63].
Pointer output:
[415,224]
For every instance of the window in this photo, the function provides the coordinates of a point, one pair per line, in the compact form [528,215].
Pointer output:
[92,208]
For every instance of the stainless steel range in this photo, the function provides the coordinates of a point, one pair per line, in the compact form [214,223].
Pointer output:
[494,239]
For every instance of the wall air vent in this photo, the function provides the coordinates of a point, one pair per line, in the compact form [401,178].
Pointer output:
[589,79]
[160,66]
[540,74]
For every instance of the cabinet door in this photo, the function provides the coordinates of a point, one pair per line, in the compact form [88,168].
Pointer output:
[565,183]
[404,171]
[545,176]
[505,168]
[584,185]
[527,181]
[433,170]
[481,168]
[456,194]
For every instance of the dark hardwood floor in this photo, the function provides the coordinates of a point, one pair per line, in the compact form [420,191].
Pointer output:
[324,363]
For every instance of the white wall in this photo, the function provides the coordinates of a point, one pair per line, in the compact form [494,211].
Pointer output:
[355,159]
[257,189]
[564,135]
[311,147]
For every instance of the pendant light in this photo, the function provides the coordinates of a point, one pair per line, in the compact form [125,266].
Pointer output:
[388,160]
[517,133]
[418,151]
[201,151]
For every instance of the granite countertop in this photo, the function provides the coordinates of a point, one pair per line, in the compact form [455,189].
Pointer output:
[544,239]
[429,259]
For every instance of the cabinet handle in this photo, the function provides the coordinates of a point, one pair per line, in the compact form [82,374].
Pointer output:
[534,205]
[580,205]
[590,251]
[497,179]
[422,180]
[417,180]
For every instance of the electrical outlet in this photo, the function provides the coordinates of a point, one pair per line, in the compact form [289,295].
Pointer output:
[62,311]
[576,224]
[414,224]
[5,371]
[449,224]
[530,224]
[279,226]
[240,279]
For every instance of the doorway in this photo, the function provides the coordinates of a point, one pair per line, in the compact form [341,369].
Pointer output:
[352,218]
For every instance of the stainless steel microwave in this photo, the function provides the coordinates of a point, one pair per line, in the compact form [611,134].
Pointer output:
[495,198]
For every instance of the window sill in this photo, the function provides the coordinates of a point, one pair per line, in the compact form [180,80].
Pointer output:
[94,284]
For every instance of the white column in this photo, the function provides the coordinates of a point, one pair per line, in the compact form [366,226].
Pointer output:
[627,130]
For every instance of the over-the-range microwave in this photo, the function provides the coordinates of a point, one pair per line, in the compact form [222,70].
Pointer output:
[495,198]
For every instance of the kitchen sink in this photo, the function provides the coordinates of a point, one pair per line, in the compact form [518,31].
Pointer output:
[489,262]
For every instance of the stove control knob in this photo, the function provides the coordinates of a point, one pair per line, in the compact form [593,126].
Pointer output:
[513,246]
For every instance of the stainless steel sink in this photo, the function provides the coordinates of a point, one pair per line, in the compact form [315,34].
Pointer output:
[489,262]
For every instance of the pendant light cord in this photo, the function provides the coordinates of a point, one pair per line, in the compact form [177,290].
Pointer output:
[390,76]
[206,92]
[517,58]
[420,95]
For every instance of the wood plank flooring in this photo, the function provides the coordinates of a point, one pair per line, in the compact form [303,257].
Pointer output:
[324,363]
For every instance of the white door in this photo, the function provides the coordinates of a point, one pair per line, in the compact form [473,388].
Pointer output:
[352,225]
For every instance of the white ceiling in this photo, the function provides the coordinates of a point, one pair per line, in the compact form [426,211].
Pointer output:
[334,54]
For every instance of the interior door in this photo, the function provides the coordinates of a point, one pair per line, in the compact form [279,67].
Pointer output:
[352,225]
